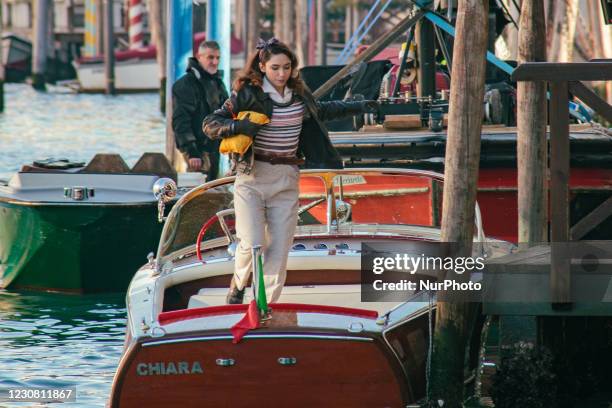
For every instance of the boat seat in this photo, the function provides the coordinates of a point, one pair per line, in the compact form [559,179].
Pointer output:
[328,295]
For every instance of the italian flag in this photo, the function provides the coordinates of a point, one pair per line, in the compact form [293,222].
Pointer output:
[257,308]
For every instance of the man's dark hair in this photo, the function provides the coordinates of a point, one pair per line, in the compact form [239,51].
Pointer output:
[213,45]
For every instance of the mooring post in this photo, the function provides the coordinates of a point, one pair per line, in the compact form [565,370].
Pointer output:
[531,136]
[109,48]
[321,22]
[39,51]
[460,185]
[158,34]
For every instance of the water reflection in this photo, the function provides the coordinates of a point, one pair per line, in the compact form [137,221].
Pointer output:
[62,124]
[62,340]
[57,340]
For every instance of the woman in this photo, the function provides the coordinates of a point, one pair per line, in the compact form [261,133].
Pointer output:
[266,186]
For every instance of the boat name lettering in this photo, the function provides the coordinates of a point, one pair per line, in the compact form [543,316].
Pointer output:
[353,179]
[169,368]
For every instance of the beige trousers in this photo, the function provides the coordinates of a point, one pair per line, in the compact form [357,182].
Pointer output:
[266,204]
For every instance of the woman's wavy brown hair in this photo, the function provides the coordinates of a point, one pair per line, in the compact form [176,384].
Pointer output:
[251,74]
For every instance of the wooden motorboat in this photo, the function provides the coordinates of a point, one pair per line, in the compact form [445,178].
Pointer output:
[323,345]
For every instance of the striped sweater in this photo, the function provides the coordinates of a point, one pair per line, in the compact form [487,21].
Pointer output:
[280,137]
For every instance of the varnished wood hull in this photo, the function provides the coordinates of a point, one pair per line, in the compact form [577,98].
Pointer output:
[332,369]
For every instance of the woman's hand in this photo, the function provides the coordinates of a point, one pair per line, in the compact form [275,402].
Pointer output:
[246,127]
[194,164]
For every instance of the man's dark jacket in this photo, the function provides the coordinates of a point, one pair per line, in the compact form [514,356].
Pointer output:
[314,143]
[195,95]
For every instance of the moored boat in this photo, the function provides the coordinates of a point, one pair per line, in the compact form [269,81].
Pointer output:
[136,70]
[16,57]
[323,345]
[72,228]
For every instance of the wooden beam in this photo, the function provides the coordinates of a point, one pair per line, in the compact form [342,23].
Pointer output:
[369,53]
[592,99]
[559,193]
[591,220]
[576,71]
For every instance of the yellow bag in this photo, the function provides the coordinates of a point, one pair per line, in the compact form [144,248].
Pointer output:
[241,143]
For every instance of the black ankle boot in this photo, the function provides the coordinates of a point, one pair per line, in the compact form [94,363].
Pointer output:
[235,296]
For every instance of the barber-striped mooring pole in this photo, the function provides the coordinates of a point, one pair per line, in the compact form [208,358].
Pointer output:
[136,33]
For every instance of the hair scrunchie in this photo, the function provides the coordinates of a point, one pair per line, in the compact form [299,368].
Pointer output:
[266,45]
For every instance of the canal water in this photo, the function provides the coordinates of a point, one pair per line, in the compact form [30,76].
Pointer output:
[52,340]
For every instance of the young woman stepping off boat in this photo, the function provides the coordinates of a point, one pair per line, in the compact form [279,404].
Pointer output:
[270,125]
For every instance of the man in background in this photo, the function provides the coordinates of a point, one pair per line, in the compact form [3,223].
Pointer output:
[196,94]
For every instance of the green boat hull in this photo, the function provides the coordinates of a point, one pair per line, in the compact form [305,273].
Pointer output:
[75,249]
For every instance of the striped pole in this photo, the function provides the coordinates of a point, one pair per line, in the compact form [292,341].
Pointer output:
[136,27]
[91,11]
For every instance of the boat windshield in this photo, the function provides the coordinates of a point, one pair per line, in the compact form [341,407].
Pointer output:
[360,197]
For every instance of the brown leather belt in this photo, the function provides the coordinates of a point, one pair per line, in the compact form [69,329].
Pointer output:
[280,160]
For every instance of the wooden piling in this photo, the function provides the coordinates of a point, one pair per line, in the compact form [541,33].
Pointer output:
[252,26]
[301,32]
[321,40]
[288,22]
[158,33]
[461,175]
[39,50]
[531,123]
[109,47]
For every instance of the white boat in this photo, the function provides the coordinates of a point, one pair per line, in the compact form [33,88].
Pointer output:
[322,345]
[135,70]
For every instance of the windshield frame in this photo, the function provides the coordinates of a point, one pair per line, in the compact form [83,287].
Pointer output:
[326,174]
